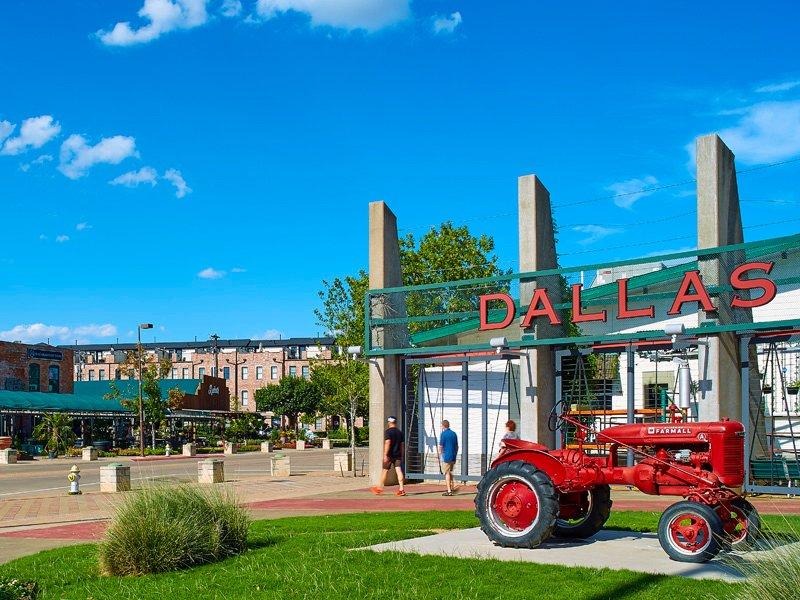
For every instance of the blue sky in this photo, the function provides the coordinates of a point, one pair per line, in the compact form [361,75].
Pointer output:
[205,164]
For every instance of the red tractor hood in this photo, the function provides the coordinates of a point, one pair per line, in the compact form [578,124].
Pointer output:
[669,434]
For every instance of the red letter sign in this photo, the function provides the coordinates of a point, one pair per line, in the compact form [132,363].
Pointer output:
[577,315]
[768,286]
[623,312]
[483,310]
[547,310]
[691,279]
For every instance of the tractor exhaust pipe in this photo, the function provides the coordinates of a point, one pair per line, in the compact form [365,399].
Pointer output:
[684,385]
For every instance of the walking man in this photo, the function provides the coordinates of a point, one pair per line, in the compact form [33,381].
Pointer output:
[392,456]
[448,450]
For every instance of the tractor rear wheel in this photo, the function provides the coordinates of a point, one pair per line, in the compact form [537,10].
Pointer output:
[517,505]
[589,517]
[690,532]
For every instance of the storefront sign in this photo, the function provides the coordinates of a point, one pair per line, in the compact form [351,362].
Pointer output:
[691,290]
[45,354]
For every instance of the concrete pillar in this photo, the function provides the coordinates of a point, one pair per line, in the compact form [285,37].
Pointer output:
[537,251]
[719,223]
[342,462]
[115,477]
[385,373]
[280,466]
[300,445]
[8,456]
[89,453]
[266,447]
[230,448]
[211,470]
[189,449]
[326,444]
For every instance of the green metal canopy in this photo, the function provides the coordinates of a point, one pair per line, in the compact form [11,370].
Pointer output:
[129,388]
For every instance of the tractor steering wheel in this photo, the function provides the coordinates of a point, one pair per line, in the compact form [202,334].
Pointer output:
[554,421]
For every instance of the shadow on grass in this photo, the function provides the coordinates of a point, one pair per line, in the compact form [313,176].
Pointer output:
[627,588]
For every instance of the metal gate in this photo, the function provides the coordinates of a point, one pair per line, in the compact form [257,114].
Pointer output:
[771,403]
[476,394]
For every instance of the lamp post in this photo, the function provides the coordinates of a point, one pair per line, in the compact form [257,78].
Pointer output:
[236,362]
[141,405]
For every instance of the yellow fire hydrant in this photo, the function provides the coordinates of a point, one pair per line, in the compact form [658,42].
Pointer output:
[74,479]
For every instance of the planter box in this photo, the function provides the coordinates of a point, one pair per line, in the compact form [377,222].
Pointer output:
[230,448]
[5,442]
[267,447]
[326,444]
[189,450]
[89,453]
[342,462]
[115,478]
[280,466]
[8,456]
[300,445]
[211,470]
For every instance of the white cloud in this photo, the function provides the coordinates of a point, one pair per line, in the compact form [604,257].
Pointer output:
[369,15]
[34,333]
[83,226]
[629,192]
[163,16]
[62,238]
[269,334]
[595,232]
[42,236]
[133,179]
[175,178]
[40,160]
[77,157]
[6,129]
[33,133]
[231,8]
[766,132]
[211,273]
[238,270]
[444,24]
[778,87]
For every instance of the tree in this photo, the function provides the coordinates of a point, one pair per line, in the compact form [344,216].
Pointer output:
[154,405]
[291,397]
[343,383]
[55,429]
[342,313]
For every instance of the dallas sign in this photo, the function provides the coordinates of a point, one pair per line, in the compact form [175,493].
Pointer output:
[691,289]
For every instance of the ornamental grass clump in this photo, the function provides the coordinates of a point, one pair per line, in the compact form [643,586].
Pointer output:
[771,568]
[164,528]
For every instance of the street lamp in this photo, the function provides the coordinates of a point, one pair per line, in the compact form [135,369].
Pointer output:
[141,405]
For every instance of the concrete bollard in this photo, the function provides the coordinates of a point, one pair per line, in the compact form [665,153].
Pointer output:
[8,456]
[189,449]
[280,466]
[342,461]
[211,470]
[267,447]
[326,444]
[230,448]
[300,445]
[115,477]
[89,453]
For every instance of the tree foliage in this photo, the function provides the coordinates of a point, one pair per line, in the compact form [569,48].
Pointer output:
[290,397]
[55,430]
[344,388]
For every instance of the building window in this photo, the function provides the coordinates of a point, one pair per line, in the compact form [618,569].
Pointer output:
[185,373]
[292,371]
[91,374]
[273,372]
[34,372]
[226,372]
[245,397]
[174,373]
[259,372]
[201,372]
[294,352]
[305,373]
[213,371]
[117,374]
[102,374]
[53,379]
[245,372]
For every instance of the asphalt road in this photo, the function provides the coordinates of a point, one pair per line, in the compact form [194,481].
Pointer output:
[48,477]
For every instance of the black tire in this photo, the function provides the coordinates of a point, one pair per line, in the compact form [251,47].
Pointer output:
[521,484]
[675,532]
[752,524]
[592,521]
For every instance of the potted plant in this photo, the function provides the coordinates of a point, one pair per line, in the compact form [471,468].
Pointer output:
[793,387]
[55,430]
[766,388]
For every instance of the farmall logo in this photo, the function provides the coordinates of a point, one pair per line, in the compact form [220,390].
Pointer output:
[691,290]
[213,390]
[668,430]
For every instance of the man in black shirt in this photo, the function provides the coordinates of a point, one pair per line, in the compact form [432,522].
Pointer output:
[392,456]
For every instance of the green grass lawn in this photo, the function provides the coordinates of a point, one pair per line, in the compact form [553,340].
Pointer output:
[309,557]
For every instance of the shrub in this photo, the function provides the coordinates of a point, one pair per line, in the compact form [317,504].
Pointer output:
[14,589]
[163,528]
[772,569]
[338,434]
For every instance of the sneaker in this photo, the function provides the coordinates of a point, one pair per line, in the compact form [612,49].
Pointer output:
[447,494]
[399,493]
[376,490]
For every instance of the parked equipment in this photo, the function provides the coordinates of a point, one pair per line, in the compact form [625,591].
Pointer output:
[532,493]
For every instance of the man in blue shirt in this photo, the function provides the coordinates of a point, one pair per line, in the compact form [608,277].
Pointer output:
[448,449]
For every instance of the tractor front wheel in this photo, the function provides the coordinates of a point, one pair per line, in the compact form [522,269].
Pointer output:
[690,532]
[584,513]
[741,523]
[517,505]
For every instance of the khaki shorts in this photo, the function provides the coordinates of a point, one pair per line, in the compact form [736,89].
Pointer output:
[447,467]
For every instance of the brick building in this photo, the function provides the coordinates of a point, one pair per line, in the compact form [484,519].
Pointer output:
[246,365]
[35,368]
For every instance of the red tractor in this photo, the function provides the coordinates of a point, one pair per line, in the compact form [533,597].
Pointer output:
[531,492]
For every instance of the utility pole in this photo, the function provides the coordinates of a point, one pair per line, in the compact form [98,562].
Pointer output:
[236,362]
[215,350]
[194,364]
